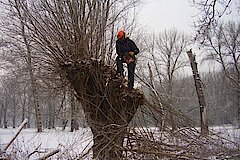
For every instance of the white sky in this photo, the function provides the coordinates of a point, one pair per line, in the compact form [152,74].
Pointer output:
[164,14]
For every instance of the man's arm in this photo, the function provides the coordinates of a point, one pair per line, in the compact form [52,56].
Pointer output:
[134,48]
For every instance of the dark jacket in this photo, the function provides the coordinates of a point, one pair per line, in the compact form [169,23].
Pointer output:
[125,46]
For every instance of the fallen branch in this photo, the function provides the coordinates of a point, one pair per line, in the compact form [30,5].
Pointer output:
[18,131]
[49,154]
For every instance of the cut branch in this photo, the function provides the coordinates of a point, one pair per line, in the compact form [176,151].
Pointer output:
[17,133]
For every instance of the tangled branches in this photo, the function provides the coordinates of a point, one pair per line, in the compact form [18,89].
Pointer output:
[210,11]
[120,132]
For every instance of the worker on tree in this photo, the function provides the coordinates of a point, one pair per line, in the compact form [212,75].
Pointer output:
[126,51]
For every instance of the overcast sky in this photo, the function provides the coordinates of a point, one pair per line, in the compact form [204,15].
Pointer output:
[165,14]
[158,15]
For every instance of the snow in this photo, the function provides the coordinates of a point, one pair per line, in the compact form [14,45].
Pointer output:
[71,144]
[227,131]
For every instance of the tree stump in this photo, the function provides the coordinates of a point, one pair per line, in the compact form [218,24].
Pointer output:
[108,104]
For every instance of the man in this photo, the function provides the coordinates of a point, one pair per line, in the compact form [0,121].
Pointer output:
[126,51]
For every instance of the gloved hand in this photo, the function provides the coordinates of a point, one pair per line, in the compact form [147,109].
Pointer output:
[131,53]
[130,60]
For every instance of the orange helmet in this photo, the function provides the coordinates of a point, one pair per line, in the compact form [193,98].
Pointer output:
[121,34]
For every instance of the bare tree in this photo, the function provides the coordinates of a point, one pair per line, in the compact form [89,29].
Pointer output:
[4,106]
[29,59]
[67,34]
[223,46]
[210,12]
[166,58]
[220,98]
[9,100]
[19,39]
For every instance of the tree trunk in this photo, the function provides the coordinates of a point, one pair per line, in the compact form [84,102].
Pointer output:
[28,58]
[50,118]
[198,85]
[23,112]
[14,116]
[37,107]
[238,100]
[5,118]
[64,124]
[14,112]
[1,114]
[63,108]
[64,118]
[74,122]
[107,103]
[29,116]
[23,105]
[5,115]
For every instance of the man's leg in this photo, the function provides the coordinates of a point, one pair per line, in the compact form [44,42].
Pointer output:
[131,69]
[119,66]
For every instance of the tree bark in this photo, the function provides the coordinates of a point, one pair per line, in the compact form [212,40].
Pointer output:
[28,116]
[23,112]
[14,116]
[74,122]
[238,100]
[201,100]
[107,103]
[1,114]
[5,115]
[50,118]
[14,111]
[36,103]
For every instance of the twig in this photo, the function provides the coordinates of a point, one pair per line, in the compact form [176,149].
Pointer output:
[174,155]
[36,150]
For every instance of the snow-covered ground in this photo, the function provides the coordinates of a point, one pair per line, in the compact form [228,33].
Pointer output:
[32,145]
[72,145]
[227,131]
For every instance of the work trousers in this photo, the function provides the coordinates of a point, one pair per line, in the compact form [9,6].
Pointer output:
[131,70]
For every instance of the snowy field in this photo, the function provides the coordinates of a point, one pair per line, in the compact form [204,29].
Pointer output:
[34,145]
[71,145]
[227,131]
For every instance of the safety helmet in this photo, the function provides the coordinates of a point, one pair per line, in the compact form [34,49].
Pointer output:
[120,34]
